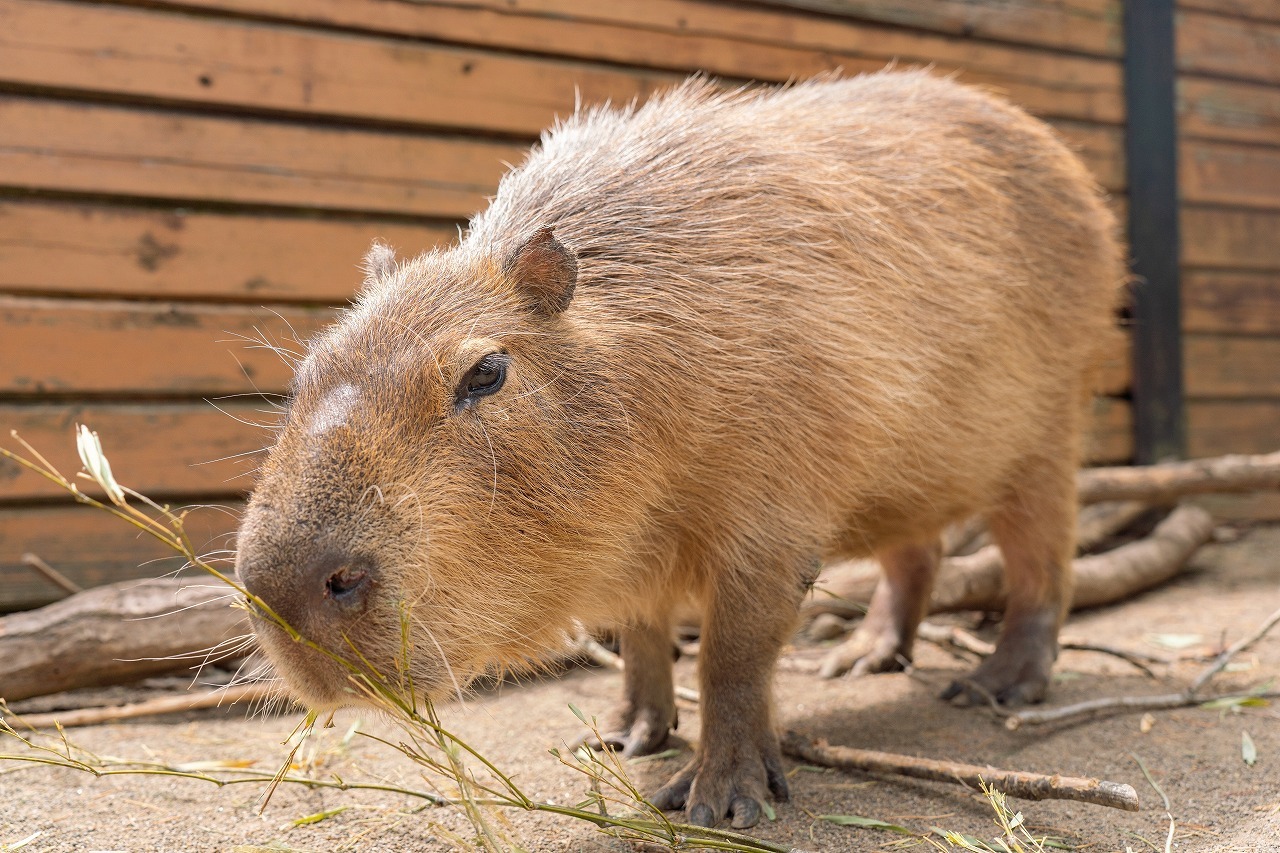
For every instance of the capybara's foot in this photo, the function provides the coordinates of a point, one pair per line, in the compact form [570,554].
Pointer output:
[1017,673]
[734,784]
[634,732]
[867,651]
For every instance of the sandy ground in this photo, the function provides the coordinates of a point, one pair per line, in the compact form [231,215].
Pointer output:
[1219,802]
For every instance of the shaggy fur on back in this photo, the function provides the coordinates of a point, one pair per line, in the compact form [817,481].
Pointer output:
[810,321]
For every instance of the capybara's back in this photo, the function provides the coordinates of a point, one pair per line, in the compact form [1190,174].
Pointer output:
[720,337]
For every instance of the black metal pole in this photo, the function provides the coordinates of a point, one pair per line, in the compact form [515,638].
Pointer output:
[1151,149]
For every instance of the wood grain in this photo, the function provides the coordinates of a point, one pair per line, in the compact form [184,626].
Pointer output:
[170,450]
[120,251]
[1110,437]
[155,348]
[743,42]
[93,548]
[1232,366]
[1086,26]
[148,53]
[107,150]
[1229,110]
[1229,174]
[1233,426]
[1227,46]
[1230,239]
[1259,10]
[1231,302]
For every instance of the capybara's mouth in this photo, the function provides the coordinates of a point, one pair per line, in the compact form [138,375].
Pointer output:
[321,679]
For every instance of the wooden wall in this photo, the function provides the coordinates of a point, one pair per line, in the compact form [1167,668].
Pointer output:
[180,178]
[1229,97]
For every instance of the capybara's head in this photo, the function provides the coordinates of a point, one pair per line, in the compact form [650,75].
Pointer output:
[446,469]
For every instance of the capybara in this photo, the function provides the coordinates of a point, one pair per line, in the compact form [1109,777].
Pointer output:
[692,349]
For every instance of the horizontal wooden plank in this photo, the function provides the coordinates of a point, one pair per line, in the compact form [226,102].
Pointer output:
[1117,371]
[149,53]
[1231,302]
[50,145]
[743,42]
[1232,366]
[1230,239]
[1100,147]
[93,548]
[1259,10]
[68,147]
[1228,110]
[84,346]
[1227,46]
[1235,426]
[1087,26]
[1229,174]
[1110,437]
[169,449]
[56,248]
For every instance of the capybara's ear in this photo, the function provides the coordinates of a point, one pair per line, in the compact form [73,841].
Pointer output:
[545,270]
[379,262]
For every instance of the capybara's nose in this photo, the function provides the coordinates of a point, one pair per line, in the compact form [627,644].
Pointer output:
[311,588]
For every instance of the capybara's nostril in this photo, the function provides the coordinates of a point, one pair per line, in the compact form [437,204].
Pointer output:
[340,579]
[347,584]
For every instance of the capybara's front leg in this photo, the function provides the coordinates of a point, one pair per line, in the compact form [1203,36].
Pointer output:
[648,712]
[738,761]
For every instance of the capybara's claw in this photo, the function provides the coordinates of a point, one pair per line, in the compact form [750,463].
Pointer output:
[675,793]
[637,732]
[745,812]
[863,654]
[640,739]
[711,792]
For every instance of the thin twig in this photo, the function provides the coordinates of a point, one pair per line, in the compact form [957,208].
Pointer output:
[1223,659]
[1168,810]
[1014,783]
[1134,659]
[51,574]
[151,707]
[1188,697]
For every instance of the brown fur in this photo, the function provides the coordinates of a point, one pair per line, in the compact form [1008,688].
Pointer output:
[824,320]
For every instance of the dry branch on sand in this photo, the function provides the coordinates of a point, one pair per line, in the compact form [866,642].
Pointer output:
[223,696]
[1014,783]
[976,581]
[115,634]
[1168,481]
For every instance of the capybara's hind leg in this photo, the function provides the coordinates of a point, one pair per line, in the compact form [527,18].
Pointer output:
[648,712]
[1034,525]
[882,643]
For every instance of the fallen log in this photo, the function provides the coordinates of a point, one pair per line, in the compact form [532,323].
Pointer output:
[115,634]
[976,581]
[1166,482]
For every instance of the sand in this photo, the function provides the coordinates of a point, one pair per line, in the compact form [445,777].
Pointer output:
[1219,802]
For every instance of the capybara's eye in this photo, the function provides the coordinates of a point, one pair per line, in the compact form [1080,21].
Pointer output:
[484,378]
